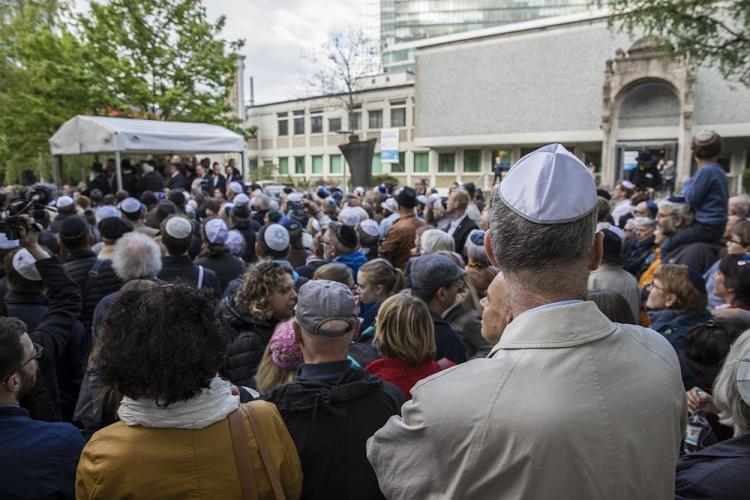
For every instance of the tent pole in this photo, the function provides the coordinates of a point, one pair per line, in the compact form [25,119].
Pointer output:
[118,171]
[242,162]
[55,169]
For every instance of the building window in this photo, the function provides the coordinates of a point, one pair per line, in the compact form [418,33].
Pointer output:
[472,160]
[447,162]
[299,164]
[334,124]
[283,166]
[398,114]
[400,167]
[317,164]
[375,119]
[377,167]
[316,124]
[356,120]
[335,164]
[299,123]
[421,162]
[283,124]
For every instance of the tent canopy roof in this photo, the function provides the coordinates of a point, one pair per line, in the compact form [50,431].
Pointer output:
[99,134]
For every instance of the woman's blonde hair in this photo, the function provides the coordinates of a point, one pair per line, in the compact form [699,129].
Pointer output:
[676,277]
[380,272]
[404,330]
[340,273]
[269,375]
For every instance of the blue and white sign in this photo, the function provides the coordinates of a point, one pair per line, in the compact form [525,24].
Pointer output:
[389,145]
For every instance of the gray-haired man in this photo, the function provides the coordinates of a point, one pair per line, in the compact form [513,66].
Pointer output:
[567,405]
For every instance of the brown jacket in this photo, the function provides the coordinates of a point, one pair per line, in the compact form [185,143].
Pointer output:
[142,462]
[400,240]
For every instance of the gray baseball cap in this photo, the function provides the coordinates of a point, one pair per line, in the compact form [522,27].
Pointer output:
[431,272]
[320,302]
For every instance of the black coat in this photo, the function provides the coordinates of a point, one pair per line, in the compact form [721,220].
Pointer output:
[96,286]
[178,182]
[100,182]
[251,337]
[129,182]
[248,233]
[54,330]
[448,343]
[31,309]
[462,233]
[152,181]
[648,177]
[330,423]
[181,267]
[718,472]
[217,182]
[78,264]
[226,267]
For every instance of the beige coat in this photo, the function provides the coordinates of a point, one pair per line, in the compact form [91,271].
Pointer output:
[568,405]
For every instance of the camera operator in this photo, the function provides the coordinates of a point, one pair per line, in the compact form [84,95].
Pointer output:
[37,459]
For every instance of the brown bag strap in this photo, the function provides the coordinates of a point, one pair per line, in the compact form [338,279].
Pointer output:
[240,443]
[265,454]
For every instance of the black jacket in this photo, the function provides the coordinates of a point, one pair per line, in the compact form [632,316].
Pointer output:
[719,471]
[248,233]
[31,309]
[78,264]
[97,285]
[129,182]
[152,181]
[448,342]
[180,267]
[178,182]
[218,182]
[648,177]
[100,182]
[251,337]
[226,267]
[59,218]
[462,233]
[330,421]
[54,331]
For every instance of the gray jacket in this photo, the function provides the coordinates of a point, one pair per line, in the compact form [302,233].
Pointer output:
[568,405]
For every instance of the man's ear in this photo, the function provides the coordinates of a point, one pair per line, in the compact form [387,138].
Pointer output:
[597,251]
[297,332]
[488,249]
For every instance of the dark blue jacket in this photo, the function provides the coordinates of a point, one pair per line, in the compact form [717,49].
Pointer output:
[37,459]
[448,342]
[71,366]
[707,193]
[673,325]
[354,260]
[718,472]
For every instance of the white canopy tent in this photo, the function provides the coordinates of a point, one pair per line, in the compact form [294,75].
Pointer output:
[99,134]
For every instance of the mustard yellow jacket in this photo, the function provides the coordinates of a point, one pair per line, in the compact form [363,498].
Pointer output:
[141,462]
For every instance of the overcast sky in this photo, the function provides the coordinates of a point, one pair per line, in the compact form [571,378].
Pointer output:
[277,33]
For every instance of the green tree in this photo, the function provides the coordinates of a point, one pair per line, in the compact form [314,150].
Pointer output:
[711,32]
[161,59]
[43,82]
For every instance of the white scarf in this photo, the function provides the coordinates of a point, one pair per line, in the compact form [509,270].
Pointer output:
[208,407]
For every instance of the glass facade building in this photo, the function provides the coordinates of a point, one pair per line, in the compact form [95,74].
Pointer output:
[404,21]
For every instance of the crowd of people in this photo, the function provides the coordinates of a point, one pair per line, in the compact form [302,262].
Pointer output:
[193,335]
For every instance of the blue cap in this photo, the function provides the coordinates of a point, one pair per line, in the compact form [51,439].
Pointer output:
[323,192]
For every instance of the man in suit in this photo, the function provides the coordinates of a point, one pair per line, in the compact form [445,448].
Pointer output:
[177,181]
[218,181]
[460,225]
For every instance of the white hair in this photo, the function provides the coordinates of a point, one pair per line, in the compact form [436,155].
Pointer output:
[136,256]
[643,221]
[732,408]
[681,210]
[434,240]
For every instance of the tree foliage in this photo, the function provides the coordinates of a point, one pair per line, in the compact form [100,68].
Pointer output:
[155,59]
[346,57]
[711,32]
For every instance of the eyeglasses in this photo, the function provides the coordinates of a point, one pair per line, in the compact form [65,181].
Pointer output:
[38,350]
[653,285]
[740,243]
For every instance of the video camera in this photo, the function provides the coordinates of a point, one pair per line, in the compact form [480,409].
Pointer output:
[35,204]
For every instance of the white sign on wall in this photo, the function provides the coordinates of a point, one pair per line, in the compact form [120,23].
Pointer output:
[388,145]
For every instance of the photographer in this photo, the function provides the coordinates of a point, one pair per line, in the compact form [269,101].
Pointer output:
[37,459]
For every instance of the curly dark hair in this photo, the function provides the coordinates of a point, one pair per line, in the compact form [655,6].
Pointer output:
[258,282]
[164,343]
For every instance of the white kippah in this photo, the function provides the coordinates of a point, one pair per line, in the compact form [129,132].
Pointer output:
[370,227]
[236,187]
[276,237]
[178,227]
[549,186]
[6,244]
[742,376]
[25,264]
[391,204]
[130,205]
[241,199]
[216,231]
[64,201]
[106,212]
